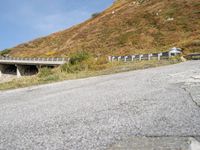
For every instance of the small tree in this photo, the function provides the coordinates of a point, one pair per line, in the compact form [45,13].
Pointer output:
[94,15]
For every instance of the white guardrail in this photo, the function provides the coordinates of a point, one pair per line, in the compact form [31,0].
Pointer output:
[158,56]
[34,59]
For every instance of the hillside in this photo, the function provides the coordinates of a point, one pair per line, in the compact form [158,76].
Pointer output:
[127,27]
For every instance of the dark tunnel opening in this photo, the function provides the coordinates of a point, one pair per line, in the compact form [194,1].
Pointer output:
[10,69]
[30,70]
[19,70]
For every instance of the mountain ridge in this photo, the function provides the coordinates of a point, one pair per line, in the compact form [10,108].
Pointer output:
[127,27]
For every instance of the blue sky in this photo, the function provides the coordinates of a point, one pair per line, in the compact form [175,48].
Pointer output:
[25,20]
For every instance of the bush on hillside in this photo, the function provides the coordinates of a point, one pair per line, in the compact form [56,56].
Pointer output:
[78,62]
[79,57]
[5,52]
[83,61]
[94,15]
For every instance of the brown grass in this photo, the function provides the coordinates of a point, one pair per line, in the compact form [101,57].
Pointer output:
[132,29]
[49,76]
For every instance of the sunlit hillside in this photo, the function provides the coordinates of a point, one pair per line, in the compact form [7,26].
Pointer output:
[127,27]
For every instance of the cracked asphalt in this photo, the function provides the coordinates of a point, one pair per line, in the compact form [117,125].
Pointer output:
[159,105]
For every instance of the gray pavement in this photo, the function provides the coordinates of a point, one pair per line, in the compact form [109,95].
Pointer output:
[106,112]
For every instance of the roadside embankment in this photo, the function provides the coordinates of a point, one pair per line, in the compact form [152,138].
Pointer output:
[81,70]
[7,78]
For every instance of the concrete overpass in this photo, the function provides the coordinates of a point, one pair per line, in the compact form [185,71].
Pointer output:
[27,66]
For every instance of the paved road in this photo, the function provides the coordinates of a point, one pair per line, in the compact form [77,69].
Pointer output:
[102,112]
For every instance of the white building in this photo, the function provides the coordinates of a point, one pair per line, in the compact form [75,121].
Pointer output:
[175,51]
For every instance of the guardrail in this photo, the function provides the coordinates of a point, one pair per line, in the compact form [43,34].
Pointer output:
[163,55]
[34,59]
[193,56]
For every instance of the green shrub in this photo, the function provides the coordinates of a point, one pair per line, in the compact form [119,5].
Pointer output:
[78,62]
[79,57]
[47,74]
[44,72]
[65,67]
[69,68]
[5,52]
[83,61]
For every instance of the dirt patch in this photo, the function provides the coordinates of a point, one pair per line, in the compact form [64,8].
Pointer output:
[7,78]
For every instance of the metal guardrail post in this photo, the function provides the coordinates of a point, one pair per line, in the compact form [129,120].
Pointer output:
[119,58]
[125,58]
[140,57]
[132,57]
[113,58]
[159,55]
[149,56]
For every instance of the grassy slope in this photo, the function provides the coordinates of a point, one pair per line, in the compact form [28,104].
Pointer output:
[140,27]
[49,76]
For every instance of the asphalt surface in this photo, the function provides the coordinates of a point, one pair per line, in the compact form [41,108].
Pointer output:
[102,112]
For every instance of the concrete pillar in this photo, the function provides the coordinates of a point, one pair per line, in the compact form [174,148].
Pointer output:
[125,58]
[132,57]
[20,70]
[159,55]
[140,57]
[149,56]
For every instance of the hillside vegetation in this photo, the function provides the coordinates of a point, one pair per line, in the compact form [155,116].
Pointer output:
[127,27]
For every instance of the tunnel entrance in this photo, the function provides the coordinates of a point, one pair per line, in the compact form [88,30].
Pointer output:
[26,70]
[30,70]
[9,70]
[18,70]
